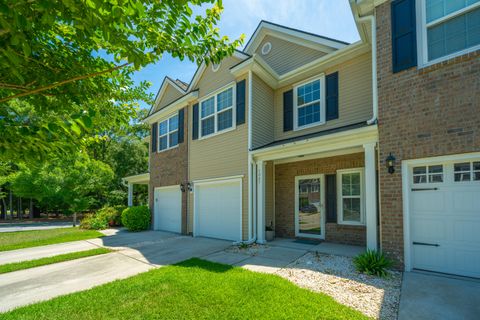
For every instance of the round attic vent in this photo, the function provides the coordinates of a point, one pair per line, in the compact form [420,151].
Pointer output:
[215,67]
[267,46]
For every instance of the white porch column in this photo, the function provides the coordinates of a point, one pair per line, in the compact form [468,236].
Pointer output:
[371,195]
[130,194]
[261,201]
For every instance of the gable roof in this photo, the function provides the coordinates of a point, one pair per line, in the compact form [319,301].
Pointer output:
[294,35]
[177,84]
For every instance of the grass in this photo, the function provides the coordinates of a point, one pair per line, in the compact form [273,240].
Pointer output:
[27,239]
[10,267]
[193,289]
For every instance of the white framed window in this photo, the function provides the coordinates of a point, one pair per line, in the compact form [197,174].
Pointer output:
[351,198]
[466,171]
[217,113]
[447,28]
[309,103]
[428,174]
[168,133]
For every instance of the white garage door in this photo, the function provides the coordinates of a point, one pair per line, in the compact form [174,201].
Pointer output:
[445,217]
[168,209]
[218,209]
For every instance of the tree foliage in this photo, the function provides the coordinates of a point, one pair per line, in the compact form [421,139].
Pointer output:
[66,65]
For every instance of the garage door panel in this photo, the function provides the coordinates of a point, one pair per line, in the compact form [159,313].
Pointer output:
[445,224]
[168,213]
[218,210]
[427,201]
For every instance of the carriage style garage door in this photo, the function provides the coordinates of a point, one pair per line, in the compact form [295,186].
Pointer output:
[218,209]
[444,211]
[168,209]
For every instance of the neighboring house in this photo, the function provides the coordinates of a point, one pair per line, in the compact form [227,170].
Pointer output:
[294,133]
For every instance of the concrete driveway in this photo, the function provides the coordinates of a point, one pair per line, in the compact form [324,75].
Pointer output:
[427,296]
[136,253]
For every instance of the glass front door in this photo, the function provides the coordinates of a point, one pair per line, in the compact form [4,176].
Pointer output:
[309,206]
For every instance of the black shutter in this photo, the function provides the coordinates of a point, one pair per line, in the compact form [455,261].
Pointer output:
[332,96]
[288,110]
[241,102]
[404,38]
[180,125]
[331,197]
[195,122]
[154,136]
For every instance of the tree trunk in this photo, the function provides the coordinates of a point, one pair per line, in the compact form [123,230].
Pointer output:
[11,205]
[19,209]
[30,210]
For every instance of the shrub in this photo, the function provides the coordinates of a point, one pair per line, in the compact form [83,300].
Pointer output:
[136,218]
[111,215]
[373,263]
[93,222]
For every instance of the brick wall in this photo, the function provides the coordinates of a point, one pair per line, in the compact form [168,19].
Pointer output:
[422,113]
[285,196]
[169,168]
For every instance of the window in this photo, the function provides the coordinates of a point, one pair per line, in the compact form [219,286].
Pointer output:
[449,28]
[168,133]
[467,171]
[432,174]
[216,113]
[309,104]
[350,196]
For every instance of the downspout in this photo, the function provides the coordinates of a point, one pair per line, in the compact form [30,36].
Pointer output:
[371,19]
[252,234]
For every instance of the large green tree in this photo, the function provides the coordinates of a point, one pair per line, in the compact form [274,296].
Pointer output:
[66,65]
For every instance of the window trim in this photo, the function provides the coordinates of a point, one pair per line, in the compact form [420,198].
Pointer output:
[422,26]
[340,219]
[215,114]
[167,134]
[428,174]
[323,107]
[471,171]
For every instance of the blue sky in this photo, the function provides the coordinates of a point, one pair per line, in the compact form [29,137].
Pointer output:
[330,18]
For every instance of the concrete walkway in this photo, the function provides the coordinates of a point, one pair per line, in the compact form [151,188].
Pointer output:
[427,296]
[136,253]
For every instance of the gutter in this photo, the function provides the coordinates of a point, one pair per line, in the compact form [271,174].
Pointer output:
[371,19]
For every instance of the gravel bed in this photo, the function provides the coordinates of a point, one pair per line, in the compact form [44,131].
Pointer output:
[251,250]
[336,276]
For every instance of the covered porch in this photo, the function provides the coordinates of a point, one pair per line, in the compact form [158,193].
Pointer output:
[322,189]
[138,179]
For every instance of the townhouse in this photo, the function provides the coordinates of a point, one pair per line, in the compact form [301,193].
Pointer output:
[373,143]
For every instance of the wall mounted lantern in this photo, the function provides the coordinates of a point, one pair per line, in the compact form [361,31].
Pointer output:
[189,186]
[390,162]
[182,187]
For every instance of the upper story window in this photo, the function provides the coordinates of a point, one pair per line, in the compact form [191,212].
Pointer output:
[168,133]
[216,113]
[309,103]
[448,28]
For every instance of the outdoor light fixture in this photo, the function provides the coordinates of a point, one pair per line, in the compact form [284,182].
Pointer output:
[189,186]
[390,162]
[182,187]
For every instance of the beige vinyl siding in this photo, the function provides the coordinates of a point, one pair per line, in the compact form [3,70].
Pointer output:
[286,56]
[269,195]
[262,119]
[355,97]
[223,154]
[171,94]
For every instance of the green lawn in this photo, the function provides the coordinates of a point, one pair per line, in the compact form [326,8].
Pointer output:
[10,267]
[193,289]
[27,239]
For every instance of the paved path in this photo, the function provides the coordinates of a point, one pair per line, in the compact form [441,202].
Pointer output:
[27,226]
[136,252]
[427,296]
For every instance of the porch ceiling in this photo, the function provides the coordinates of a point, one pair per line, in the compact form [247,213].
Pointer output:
[350,141]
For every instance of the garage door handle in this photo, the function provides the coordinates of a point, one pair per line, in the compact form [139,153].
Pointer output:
[426,244]
[423,189]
